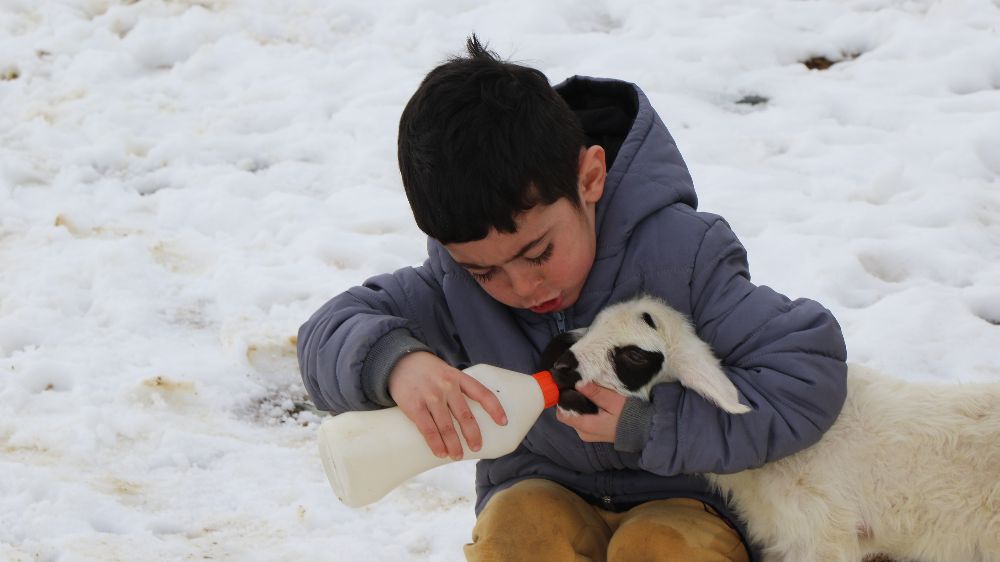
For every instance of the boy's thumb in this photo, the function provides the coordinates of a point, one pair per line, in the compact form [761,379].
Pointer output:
[588,389]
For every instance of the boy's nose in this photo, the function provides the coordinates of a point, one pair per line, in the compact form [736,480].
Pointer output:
[525,283]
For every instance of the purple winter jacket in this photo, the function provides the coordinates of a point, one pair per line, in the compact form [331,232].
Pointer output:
[787,358]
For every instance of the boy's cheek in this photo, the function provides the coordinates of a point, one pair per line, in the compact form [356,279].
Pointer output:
[504,296]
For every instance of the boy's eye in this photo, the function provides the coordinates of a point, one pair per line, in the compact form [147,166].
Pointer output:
[487,276]
[483,277]
[541,258]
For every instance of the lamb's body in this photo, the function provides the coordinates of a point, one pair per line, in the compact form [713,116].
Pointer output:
[910,470]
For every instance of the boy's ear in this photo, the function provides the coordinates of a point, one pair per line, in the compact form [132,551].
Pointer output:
[592,173]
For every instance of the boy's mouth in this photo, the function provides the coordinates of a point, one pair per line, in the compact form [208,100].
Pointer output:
[547,306]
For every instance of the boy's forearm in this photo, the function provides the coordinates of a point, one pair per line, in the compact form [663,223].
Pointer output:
[796,380]
[347,349]
[334,345]
[381,359]
[787,358]
[634,425]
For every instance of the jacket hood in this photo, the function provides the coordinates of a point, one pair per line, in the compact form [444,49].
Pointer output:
[645,169]
[645,174]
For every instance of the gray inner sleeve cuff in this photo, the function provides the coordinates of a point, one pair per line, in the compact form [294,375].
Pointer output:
[381,359]
[634,425]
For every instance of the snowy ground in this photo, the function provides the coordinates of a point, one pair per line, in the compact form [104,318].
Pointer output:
[183,182]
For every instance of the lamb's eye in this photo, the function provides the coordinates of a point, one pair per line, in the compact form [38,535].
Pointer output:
[634,355]
[635,366]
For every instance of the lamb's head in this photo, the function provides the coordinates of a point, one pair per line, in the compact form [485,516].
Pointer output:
[632,346]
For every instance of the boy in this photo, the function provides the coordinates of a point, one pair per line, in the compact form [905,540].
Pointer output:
[542,206]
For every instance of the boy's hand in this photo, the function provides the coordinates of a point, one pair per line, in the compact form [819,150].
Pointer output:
[602,426]
[433,394]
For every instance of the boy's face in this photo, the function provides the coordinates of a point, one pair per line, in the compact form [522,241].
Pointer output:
[544,265]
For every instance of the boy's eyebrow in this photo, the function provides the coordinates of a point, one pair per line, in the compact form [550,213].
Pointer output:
[525,249]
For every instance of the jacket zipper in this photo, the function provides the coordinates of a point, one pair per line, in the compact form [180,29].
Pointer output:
[606,487]
[560,319]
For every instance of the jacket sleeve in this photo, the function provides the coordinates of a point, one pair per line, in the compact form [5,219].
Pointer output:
[787,359]
[347,349]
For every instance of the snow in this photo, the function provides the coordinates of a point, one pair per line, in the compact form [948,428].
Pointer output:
[183,182]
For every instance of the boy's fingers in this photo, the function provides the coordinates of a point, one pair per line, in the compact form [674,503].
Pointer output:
[466,421]
[580,423]
[446,427]
[583,423]
[425,424]
[606,399]
[480,393]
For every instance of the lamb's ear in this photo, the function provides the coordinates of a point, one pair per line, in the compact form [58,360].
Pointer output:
[709,380]
[557,346]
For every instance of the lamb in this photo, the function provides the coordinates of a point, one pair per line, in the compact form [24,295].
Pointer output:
[909,470]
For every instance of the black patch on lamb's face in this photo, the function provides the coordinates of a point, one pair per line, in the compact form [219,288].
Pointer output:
[635,366]
[648,319]
[565,375]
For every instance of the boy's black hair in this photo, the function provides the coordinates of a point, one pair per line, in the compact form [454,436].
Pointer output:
[483,140]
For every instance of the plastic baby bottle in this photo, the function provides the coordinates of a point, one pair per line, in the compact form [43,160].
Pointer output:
[367,454]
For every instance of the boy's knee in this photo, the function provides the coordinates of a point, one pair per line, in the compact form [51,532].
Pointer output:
[529,499]
[537,506]
[665,533]
[648,543]
[537,520]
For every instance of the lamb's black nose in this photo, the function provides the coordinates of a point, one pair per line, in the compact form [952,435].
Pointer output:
[566,375]
[564,371]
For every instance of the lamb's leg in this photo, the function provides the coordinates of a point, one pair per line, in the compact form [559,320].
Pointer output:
[828,549]
[797,556]
[990,553]
[878,558]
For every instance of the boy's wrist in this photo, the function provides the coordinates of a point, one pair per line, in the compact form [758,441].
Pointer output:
[382,358]
[634,425]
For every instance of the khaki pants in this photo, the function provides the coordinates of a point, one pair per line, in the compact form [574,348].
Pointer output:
[538,520]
